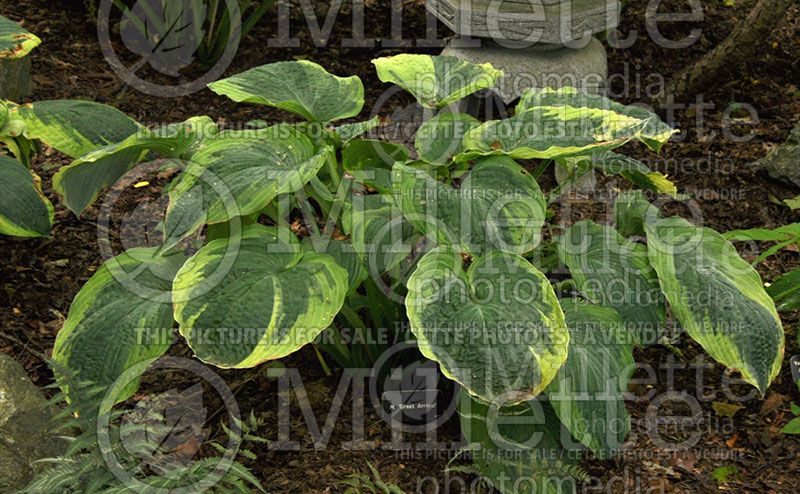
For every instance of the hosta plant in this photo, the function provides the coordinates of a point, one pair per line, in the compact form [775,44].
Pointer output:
[74,128]
[171,34]
[311,228]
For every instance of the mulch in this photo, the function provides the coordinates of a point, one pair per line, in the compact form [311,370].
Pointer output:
[41,277]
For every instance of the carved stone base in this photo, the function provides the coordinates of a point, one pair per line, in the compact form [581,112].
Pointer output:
[585,68]
[15,79]
[534,21]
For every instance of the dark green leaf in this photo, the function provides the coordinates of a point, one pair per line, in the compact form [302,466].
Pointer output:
[498,206]
[24,210]
[615,272]
[588,391]
[120,318]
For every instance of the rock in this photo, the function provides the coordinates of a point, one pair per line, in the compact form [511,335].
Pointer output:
[24,426]
[540,66]
[17,392]
[15,79]
[783,162]
[545,21]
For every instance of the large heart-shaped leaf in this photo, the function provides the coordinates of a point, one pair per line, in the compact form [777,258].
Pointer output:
[653,132]
[300,87]
[15,41]
[75,127]
[81,182]
[496,328]
[440,138]
[551,132]
[718,298]
[230,177]
[121,317]
[24,210]
[498,206]
[587,393]
[613,271]
[272,300]
[436,81]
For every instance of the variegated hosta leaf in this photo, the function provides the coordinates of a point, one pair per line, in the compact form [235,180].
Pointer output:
[498,206]
[631,211]
[300,87]
[440,138]
[587,394]
[121,317]
[519,449]
[496,328]
[24,210]
[718,298]
[75,127]
[613,271]
[272,300]
[81,182]
[634,170]
[15,41]
[348,132]
[436,81]
[654,133]
[551,132]
[345,255]
[229,177]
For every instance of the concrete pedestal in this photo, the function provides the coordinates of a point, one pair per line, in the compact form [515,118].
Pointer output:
[537,43]
[532,21]
[539,66]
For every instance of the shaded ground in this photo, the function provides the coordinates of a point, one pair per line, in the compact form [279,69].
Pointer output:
[40,277]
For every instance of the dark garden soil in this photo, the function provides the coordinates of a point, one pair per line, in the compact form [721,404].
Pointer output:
[40,277]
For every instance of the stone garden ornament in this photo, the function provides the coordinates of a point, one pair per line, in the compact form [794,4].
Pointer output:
[536,43]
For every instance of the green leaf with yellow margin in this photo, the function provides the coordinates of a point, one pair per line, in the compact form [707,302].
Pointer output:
[270,300]
[496,328]
[718,298]
[15,41]
[436,81]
